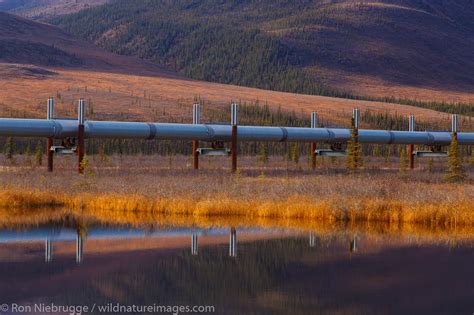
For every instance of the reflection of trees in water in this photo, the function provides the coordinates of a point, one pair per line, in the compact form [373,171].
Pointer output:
[211,277]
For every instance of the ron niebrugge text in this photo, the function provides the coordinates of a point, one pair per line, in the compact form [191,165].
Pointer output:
[104,308]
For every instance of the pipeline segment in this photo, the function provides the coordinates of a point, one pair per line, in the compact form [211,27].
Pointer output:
[62,128]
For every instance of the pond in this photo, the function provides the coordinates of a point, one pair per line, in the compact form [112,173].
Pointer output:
[232,270]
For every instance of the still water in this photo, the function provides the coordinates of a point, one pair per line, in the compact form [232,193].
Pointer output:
[234,270]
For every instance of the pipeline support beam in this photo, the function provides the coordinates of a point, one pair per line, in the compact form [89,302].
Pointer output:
[80,137]
[50,142]
[234,146]
[314,124]
[195,145]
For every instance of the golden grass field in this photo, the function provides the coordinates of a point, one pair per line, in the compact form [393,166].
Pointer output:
[147,185]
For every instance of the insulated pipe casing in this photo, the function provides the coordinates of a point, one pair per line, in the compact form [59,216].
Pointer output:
[138,130]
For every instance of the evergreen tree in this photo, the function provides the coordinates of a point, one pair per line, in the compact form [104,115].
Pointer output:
[353,150]
[430,165]
[85,165]
[264,153]
[28,160]
[39,154]
[455,171]
[376,151]
[9,148]
[295,153]
[403,161]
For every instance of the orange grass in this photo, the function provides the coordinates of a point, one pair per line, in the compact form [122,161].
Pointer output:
[329,209]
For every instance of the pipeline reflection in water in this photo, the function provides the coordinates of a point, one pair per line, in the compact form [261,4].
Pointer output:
[194,244]
[233,243]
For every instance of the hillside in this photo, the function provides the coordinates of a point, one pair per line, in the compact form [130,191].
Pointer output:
[39,60]
[23,41]
[112,96]
[43,9]
[399,48]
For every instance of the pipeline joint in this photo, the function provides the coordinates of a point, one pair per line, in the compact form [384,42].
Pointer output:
[152,131]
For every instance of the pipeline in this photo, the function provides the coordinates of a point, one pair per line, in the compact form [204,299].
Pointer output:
[64,128]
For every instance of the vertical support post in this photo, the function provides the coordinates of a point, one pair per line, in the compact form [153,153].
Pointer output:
[355,115]
[233,243]
[49,116]
[196,121]
[48,250]
[411,156]
[314,124]
[80,136]
[233,122]
[454,124]
[79,247]
[194,244]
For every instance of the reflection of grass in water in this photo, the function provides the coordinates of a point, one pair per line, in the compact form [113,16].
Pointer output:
[297,207]
[15,218]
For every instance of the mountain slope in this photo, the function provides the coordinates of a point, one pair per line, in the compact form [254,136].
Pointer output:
[42,9]
[299,46]
[24,41]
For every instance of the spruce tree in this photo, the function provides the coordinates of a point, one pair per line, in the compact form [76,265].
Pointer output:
[430,165]
[39,154]
[295,153]
[403,161]
[85,165]
[455,172]
[9,148]
[353,150]
[28,160]
[264,153]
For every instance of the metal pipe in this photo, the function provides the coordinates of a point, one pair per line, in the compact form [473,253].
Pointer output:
[312,149]
[196,114]
[80,112]
[355,115]
[195,145]
[454,123]
[234,113]
[50,109]
[50,143]
[411,147]
[62,128]
[80,136]
[411,124]
[234,148]
[314,120]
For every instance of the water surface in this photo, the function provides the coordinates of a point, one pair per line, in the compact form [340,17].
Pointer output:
[237,270]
